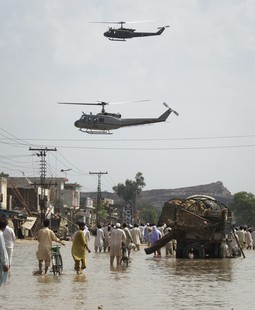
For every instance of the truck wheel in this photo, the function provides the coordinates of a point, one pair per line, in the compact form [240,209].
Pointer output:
[179,253]
[194,251]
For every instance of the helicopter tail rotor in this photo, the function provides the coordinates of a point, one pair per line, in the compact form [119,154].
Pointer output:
[167,26]
[167,106]
[161,29]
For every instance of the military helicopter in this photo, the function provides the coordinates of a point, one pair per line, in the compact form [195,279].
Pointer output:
[121,34]
[102,123]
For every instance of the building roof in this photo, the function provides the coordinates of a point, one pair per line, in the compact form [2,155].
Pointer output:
[31,182]
[13,214]
[72,185]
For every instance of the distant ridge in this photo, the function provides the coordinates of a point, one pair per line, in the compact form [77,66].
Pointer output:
[158,197]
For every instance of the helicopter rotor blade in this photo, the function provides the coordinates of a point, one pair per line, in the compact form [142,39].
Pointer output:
[176,113]
[101,103]
[84,103]
[122,22]
[167,26]
[122,102]
[167,106]
[140,21]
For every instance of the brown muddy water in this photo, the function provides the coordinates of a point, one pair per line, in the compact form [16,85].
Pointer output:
[148,283]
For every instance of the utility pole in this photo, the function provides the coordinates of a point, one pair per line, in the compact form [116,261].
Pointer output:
[99,196]
[43,199]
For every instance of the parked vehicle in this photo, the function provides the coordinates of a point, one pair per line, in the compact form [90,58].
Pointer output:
[202,227]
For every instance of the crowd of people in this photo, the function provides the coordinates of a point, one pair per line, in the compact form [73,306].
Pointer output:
[244,237]
[113,239]
[117,238]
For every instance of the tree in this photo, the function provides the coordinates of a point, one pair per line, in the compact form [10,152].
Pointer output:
[101,212]
[131,189]
[148,213]
[243,207]
[4,175]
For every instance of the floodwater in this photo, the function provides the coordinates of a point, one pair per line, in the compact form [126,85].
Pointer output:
[147,283]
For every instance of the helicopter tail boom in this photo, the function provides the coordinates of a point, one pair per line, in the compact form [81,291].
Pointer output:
[143,121]
[160,30]
[165,115]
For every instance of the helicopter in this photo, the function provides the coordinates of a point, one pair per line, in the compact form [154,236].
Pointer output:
[121,34]
[104,122]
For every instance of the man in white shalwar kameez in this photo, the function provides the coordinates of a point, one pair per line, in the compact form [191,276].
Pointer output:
[9,238]
[99,239]
[118,238]
[136,235]
[4,261]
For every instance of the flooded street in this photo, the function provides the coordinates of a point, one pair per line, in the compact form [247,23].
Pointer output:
[148,283]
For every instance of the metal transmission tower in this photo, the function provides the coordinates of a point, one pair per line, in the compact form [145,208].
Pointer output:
[99,196]
[43,199]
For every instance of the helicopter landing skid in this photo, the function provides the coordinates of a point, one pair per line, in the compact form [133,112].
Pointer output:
[97,132]
[113,39]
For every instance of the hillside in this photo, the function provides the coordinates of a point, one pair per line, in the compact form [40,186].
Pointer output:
[158,197]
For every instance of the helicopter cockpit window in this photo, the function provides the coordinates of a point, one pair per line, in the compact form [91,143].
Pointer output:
[95,119]
[83,117]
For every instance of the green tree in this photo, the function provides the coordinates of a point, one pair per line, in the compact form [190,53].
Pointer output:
[4,175]
[243,207]
[148,213]
[101,211]
[131,190]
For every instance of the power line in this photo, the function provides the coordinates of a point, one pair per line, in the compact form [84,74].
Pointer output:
[143,139]
[14,138]
[159,148]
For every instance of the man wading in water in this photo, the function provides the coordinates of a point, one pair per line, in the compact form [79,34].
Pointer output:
[45,238]
[79,248]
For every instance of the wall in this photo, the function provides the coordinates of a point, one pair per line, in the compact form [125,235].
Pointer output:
[3,192]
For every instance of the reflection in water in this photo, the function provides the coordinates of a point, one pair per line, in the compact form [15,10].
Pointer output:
[81,278]
[219,269]
[147,283]
[48,278]
[122,269]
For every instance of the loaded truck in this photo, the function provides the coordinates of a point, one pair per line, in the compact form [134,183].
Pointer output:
[202,227]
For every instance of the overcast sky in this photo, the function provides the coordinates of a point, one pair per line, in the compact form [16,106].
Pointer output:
[203,67]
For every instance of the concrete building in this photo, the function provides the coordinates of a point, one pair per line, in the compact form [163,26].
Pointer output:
[3,193]
[87,211]
[68,204]
[54,199]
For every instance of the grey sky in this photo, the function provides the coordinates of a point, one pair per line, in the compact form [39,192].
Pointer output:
[203,66]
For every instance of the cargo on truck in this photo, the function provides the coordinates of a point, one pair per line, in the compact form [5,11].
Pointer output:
[202,227]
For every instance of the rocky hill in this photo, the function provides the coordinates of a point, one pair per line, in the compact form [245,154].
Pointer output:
[158,197]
